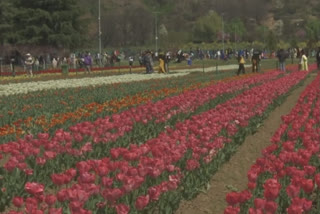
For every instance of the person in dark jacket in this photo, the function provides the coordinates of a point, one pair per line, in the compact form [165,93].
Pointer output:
[282,56]
[148,62]
[255,59]
[318,58]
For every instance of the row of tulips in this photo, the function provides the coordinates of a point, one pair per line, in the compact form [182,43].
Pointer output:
[47,110]
[82,136]
[287,178]
[48,161]
[136,176]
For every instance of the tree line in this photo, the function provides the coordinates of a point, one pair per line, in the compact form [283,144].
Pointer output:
[36,22]
[65,23]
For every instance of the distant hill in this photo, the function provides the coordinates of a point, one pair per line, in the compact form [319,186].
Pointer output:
[177,18]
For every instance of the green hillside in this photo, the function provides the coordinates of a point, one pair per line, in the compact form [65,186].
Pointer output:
[133,22]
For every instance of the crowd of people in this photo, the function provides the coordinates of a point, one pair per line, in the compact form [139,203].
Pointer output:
[146,58]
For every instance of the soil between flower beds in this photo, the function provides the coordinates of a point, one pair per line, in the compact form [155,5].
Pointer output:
[233,174]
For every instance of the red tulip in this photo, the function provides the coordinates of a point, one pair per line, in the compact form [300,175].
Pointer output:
[271,189]
[50,199]
[71,172]
[18,201]
[293,191]
[294,209]
[232,210]
[112,194]
[307,205]
[271,207]
[142,202]
[106,182]
[233,198]
[86,177]
[192,165]
[255,211]
[55,211]
[154,193]
[34,188]
[252,185]
[259,203]
[307,185]
[41,161]
[62,195]
[122,209]
[75,206]
[50,155]
[317,180]
[59,179]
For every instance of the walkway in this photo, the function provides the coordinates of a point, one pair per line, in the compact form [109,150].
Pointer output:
[26,87]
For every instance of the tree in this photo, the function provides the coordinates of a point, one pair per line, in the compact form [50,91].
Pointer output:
[6,19]
[313,31]
[134,26]
[50,22]
[236,27]
[272,40]
[207,27]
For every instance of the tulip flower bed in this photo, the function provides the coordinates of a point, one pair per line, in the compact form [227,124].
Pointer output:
[109,129]
[287,178]
[143,175]
[50,110]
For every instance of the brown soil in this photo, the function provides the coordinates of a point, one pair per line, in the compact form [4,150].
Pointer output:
[233,175]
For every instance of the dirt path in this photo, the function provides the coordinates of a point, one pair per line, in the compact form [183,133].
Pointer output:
[234,173]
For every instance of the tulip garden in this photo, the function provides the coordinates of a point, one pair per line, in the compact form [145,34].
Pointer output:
[286,179]
[143,146]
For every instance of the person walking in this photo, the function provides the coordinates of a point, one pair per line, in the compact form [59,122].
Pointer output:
[241,65]
[29,64]
[318,58]
[148,62]
[88,63]
[304,61]
[161,62]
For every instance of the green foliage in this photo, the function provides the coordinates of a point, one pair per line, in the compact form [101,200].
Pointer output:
[161,6]
[237,27]
[207,27]
[282,44]
[313,31]
[272,41]
[6,15]
[50,22]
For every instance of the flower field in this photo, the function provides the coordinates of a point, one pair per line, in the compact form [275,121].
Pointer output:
[287,178]
[143,146]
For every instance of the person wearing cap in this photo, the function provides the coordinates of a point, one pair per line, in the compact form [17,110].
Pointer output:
[29,63]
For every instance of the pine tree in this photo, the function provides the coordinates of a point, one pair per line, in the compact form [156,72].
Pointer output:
[6,21]
[49,22]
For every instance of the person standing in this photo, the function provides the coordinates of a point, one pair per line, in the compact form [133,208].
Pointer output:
[166,61]
[282,56]
[29,64]
[318,58]
[161,62]
[241,65]
[148,62]
[255,59]
[88,63]
[12,65]
[304,61]
[54,63]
